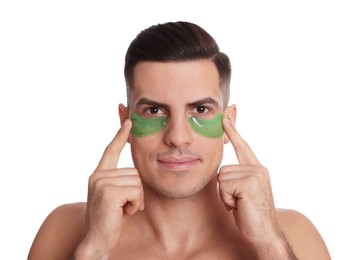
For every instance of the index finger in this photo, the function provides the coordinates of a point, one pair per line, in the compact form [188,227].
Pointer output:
[243,151]
[112,152]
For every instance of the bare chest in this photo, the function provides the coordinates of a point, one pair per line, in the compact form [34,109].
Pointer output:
[215,250]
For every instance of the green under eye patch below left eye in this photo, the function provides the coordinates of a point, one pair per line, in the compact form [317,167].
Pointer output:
[211,128]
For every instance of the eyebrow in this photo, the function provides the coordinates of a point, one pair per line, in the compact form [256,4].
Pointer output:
[203,101]
[146,101]
[208,100]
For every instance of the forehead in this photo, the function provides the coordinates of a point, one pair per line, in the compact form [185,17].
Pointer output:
[176,81]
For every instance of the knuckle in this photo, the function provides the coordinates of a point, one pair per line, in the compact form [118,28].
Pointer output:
[225,185]
[264,172]
[134,181]
[106,188]
[110,189]
[223,169]
[222,185]
[128,170]
[134,171]
[99,185]
[129,193]
[112,149]
[220,178]
[137,193]
[138,182]
[223,195]
[258,170]
[227,193]
[109,148]
[92,179]
[241,146]
[136,190]
[129,189]
[253,183]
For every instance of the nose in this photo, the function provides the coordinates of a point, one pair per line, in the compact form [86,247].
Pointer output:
[178,131]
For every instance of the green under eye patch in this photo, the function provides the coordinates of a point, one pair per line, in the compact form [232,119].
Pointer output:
[143,127]
[211,128]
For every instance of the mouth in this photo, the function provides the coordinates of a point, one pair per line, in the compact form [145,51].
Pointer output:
[178,163]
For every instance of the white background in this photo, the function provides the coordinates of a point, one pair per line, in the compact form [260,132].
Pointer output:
[61,79]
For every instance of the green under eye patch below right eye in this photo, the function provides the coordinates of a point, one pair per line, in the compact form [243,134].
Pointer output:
[144,127]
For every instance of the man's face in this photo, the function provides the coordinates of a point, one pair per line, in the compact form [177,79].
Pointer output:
[176,162]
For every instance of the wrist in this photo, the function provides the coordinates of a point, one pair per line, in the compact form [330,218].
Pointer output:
[277,248]
[89,251]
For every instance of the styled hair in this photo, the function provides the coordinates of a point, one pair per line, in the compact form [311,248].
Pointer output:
[176,41]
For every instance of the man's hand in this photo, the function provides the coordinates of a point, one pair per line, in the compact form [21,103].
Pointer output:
[112,192]
[246,190]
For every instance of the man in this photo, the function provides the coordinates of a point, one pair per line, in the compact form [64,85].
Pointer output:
[177,203]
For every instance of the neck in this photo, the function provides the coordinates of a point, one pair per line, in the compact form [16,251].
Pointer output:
[187,221]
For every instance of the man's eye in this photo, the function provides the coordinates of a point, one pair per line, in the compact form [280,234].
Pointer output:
[154,110]
[201,109]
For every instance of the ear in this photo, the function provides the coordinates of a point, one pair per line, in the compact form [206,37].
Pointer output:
[123,113]
[230,112]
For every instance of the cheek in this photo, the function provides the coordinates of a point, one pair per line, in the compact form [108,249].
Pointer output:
[217,151]
[211,150]
[143,150]
[138,148]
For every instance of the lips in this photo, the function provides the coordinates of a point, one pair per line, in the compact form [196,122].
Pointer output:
[178,163]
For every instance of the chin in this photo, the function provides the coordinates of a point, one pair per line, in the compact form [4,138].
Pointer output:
[172,190]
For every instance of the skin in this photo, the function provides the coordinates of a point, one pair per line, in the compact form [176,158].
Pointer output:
[167,206]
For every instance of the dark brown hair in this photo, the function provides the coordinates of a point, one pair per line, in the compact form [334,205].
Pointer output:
[176,41]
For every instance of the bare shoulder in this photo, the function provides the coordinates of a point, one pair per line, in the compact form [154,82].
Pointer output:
[302,235]
[60,233]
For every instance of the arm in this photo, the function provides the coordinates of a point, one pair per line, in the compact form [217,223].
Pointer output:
[60,233]
[302,235]
[245,190]
[94,232]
